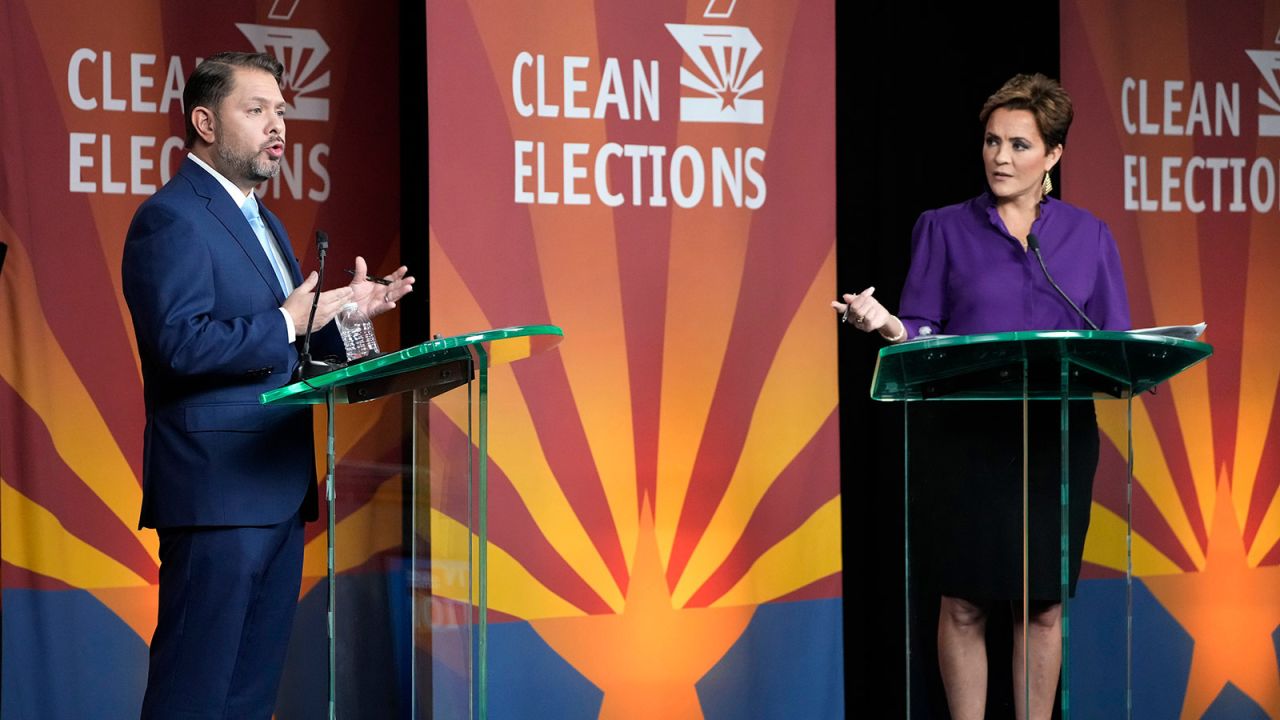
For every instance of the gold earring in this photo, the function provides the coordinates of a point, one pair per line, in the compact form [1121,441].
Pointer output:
[1047,184]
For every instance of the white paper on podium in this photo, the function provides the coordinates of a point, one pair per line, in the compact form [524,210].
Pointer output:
[1185,332]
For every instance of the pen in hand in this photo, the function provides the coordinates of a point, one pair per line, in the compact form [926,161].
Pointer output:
[370,278]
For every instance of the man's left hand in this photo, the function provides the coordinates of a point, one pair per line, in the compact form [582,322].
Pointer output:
[376,298]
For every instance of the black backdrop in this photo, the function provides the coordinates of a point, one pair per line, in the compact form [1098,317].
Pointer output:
[910,80]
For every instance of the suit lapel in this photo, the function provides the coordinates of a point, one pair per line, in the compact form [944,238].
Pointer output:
[222,207]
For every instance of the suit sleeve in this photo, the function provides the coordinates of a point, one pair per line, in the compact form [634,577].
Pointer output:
[169,276]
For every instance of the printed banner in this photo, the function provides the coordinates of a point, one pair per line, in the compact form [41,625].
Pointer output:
[92,105]
[1176,145]
[658,180]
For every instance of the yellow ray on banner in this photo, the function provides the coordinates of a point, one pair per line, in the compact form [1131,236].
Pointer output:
[1259,376]
[1105,545]
[512,589]
[509,350]
[793,563]
[372,529]
[32,538]
[708,255]
[1268,533]
[594,354]
[519,452]
[579,270]
[1191,400]
[785,419]
[38,369]
[1150,470]
[1176,292]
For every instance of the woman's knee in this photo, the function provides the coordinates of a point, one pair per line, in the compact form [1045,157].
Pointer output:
[1044,616]
[963,613]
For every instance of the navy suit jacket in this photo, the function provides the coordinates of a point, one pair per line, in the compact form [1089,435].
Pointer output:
[205,305]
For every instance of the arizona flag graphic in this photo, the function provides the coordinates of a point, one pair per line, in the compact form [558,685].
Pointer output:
[658,180]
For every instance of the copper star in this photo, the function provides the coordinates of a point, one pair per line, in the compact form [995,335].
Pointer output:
[1230,610]
[647,659]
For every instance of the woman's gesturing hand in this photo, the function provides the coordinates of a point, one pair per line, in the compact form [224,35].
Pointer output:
[864,311]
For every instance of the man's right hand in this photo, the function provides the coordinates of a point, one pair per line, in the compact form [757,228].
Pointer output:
[298,304]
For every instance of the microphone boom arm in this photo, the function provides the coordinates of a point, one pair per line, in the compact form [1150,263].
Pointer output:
[1034,243]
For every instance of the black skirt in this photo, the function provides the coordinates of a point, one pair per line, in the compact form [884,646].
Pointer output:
[966,499]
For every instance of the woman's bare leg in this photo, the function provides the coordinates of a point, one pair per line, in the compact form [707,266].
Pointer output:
[962,657]
[1045,653]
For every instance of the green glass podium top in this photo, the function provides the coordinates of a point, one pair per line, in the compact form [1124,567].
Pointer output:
[1099,364]
[496,346]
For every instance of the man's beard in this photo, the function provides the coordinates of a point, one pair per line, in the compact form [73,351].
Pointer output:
[249,167]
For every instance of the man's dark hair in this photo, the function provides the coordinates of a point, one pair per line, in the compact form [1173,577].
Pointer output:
[213,79]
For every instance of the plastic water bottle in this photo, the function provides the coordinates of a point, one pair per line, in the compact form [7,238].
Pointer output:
[357,332]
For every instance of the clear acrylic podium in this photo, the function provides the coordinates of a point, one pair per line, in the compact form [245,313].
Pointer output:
[1022,367]
[441,622]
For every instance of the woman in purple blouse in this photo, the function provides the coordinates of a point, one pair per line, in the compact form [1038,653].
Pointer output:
[972,272]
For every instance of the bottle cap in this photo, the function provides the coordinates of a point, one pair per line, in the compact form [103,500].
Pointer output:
[350,306]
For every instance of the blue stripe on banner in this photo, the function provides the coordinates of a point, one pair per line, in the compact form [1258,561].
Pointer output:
[1234,705]
[788,664]
[1161,653]
[527,679]
[68,657]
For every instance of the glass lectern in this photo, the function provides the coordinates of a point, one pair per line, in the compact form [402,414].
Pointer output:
[1026,368]
[442,623]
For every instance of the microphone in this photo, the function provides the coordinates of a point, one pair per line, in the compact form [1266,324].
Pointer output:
[1033,242]
[306,366]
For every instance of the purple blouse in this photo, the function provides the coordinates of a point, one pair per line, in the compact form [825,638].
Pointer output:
[969,275]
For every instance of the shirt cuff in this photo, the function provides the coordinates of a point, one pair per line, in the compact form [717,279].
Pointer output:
[917,328]
[288,324]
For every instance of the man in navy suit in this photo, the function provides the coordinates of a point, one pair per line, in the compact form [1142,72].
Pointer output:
[218,302]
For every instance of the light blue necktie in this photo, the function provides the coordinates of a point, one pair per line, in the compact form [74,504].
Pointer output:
[269,246]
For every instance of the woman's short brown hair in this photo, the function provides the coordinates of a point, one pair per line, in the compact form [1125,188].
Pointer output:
[1043,97]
